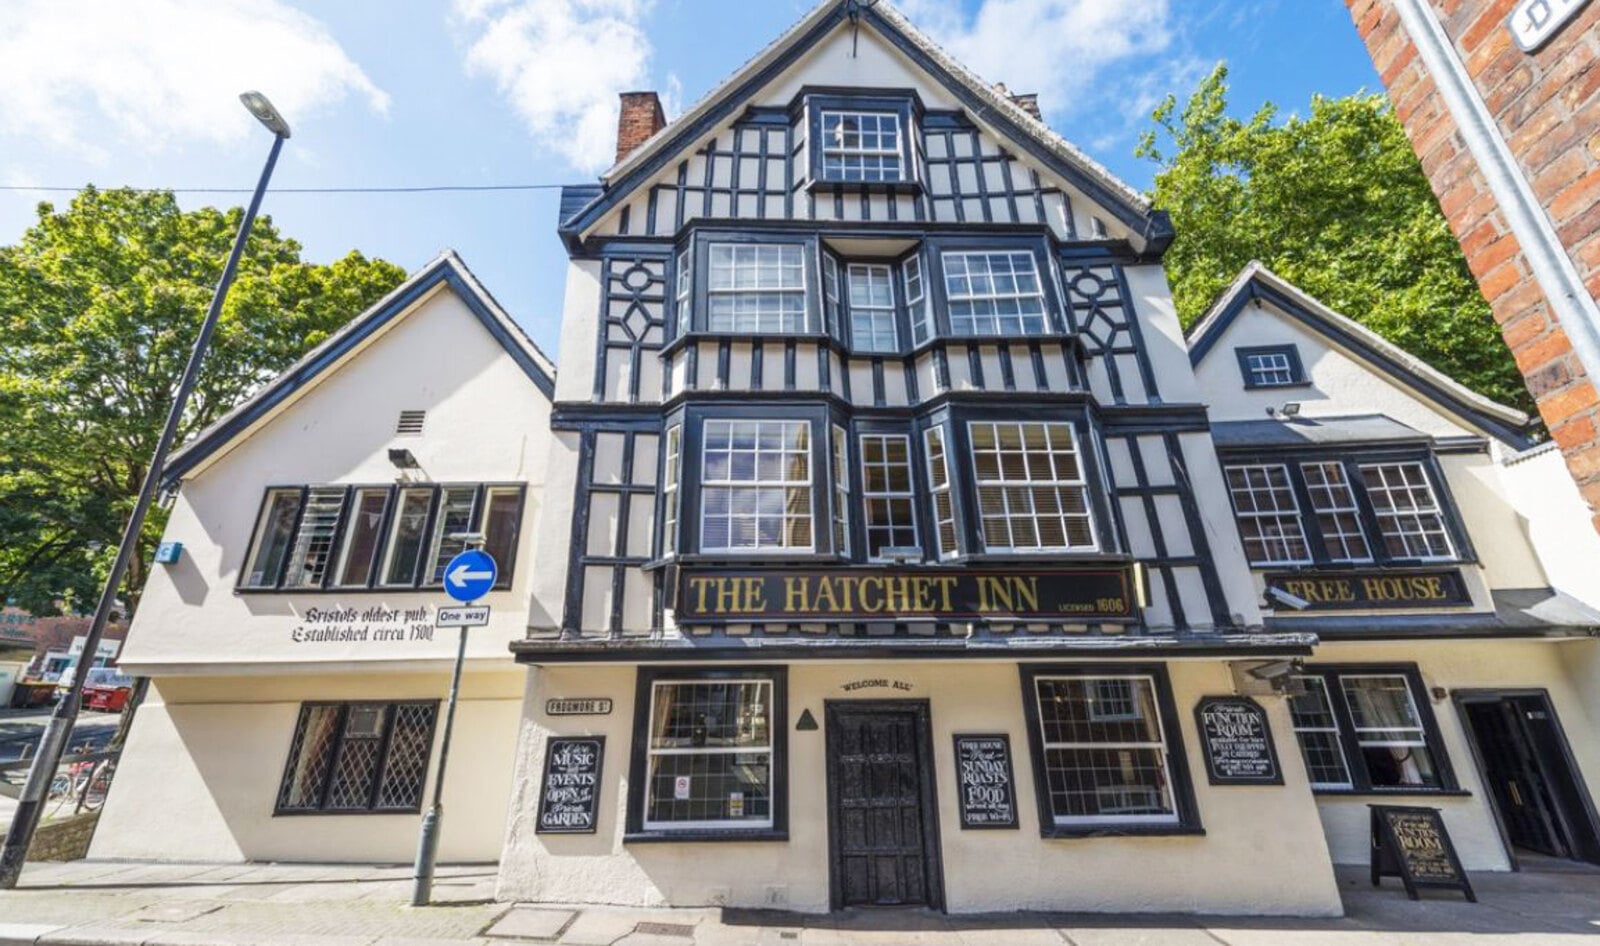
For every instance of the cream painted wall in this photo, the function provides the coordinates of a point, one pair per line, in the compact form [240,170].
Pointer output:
[1567,669]
[1237,867]
[1556,520]
[487,422]
[200,775]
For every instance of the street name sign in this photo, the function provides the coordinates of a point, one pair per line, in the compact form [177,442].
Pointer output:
[475,616]
[470,575]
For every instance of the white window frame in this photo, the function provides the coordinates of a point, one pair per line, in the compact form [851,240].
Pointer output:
[915,285]
[766,688]
[671,471]
[841,491]
[907,495]
[1061,486]
[1333,512]
[1387,737]
[1397,517]
[875,313]
[988,324]
[862,155]
[1320,684]
[1160,745]
[1269,369]
[707,484]
[756,283]
[684,295]
[936,451]
[1278,516]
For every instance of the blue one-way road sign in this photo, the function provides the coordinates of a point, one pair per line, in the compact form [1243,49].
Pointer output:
[469,575]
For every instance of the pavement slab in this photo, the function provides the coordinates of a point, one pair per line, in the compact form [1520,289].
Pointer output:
[531,923]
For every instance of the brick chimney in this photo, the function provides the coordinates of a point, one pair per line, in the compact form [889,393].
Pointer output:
[1028,102]
[641,117]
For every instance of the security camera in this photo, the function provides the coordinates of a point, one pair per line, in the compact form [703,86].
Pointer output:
[469,539]
[1274,669]
[1277,594]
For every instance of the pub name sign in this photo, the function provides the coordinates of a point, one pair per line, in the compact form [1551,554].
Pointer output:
[1374,591]
[1097,593]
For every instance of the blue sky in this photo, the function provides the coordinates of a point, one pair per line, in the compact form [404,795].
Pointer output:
[385,93]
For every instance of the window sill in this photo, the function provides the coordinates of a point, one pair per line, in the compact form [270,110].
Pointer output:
[358,812]
[702,835]
[1067,832]
[357,590]
[746,558]
[911,187]
[1250,386]
[1392,792]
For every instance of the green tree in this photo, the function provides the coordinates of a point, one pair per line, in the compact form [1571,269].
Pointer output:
[99,306]
[1334,201]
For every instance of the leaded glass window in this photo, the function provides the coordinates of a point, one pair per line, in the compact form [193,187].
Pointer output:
[358,757]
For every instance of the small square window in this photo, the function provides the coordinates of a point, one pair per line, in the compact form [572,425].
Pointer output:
[1275,366]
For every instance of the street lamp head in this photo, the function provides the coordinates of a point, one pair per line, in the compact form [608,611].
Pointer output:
[262,109]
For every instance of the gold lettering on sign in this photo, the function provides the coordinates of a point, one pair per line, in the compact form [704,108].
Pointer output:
[1004,593]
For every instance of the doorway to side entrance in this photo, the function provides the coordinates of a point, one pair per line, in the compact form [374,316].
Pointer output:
[1539,798]
[883,830]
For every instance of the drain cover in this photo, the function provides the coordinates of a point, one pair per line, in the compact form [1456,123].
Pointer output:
[685,930]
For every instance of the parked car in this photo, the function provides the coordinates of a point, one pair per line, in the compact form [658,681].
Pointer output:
[107,689]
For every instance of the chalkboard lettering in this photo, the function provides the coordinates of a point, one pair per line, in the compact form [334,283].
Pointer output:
[1238,742]
[1412,844]
[984,782]
[571,796]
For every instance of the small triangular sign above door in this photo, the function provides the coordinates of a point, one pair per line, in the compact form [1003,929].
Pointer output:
[807,722]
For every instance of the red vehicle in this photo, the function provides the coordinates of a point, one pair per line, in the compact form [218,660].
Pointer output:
[107,689]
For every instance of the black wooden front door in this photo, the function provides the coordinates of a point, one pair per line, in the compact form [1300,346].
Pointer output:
[881,817]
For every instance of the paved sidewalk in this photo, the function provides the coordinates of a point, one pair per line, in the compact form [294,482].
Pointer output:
[99,903]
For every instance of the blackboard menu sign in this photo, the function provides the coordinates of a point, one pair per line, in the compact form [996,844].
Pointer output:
[1237,741]
[1412,844]
[984,781]
[571,796]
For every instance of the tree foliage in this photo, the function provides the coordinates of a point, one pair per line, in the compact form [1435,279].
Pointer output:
[99,306]
[1337,203]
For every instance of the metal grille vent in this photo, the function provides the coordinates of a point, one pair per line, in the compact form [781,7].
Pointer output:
[410,423]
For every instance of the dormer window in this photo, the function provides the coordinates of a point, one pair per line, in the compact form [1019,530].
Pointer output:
[862,146]
[1271,366]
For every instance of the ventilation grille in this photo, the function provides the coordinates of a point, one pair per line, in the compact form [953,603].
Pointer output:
[410,423]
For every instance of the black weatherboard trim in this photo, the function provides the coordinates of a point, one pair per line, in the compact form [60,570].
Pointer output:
[639,758]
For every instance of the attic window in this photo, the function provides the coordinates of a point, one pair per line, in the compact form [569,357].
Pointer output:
[861,140]
[1271,366]
[410,423]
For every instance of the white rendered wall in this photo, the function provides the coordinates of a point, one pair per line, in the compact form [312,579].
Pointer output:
[1236,867]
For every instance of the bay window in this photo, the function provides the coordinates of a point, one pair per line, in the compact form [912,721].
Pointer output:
[994,293]
[862,146]
[1032,492]
[756,486]
[756,287]
[872,318]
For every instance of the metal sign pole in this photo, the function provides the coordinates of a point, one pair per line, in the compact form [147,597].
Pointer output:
[428,844]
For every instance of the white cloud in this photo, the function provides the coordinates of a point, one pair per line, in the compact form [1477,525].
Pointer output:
[1057,48]
[561,64]
[161,72]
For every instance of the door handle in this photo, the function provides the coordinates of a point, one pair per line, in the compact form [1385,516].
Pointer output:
[1516,794]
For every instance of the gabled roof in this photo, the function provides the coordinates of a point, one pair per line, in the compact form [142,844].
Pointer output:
[446,268]
[987,104]
[1257,282]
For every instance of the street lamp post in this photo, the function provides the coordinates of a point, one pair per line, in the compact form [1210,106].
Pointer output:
[30,804]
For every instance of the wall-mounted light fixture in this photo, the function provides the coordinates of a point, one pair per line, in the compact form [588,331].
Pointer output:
[403,459]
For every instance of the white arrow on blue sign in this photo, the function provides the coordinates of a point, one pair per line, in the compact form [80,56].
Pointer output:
[469,575]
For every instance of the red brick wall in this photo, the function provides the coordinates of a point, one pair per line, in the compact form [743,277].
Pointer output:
[640,117]
[1549,113]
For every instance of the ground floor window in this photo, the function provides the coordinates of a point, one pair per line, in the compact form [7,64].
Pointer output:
[708,753]
[358,757]
[1368,729]
[1106,754]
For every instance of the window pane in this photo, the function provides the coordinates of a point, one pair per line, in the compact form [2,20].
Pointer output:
[502,520]
[1105,756]
[1343,539]
[1268,515]
[1317,730]
[887,495]
[274,533]
[939,486]
[669,491]
[315,741]
[406,537]
[711,714]
[455,516]
[841,491]
[361,534]
[1409,516]
[757,288]
[994,294]
[861,146]
[756,485]
[1269,369]
[313,542]
[726,788]
[872,322]
[710,753]
[1031,491]
[406,768]
[1389,731]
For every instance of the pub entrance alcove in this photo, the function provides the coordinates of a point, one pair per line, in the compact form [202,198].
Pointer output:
[883,817]
[1540,802]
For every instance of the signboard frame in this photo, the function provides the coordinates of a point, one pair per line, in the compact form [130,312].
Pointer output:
[552,744]
[1338,590]
[1011,782]
[1207,743]
[578,706]
[1389,858]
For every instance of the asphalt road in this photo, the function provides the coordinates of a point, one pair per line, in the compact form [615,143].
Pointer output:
[22,728]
